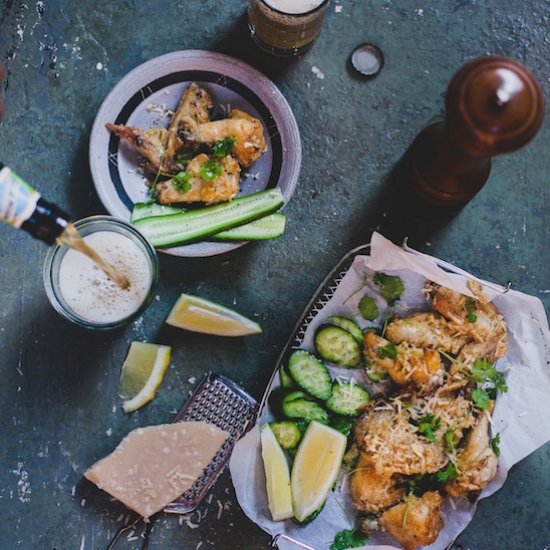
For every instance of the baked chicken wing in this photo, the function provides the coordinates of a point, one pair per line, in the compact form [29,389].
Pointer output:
[476,462]
[157,146]
[194,109]
[220,189]
[247,131]
[415,522]
[372,492]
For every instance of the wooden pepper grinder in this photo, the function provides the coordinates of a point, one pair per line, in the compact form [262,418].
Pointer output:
[494,106]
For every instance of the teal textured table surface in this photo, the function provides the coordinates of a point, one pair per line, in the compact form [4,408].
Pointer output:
[58,389]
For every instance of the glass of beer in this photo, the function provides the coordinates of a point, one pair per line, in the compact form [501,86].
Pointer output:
[286,28]
[83,293]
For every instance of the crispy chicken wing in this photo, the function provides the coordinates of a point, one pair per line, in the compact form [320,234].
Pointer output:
[157,146]
[372,492]
[476,318]
[390,443]
[404,363]
[427,330]
[248,133]
[476,462]
[415,522]
[221,189]
[194,109]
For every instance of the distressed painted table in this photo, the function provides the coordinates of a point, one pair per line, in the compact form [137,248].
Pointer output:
[60,411]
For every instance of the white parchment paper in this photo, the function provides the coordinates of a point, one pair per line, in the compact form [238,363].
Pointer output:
[521,415]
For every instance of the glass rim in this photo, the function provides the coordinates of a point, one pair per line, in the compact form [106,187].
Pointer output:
[303,14]
[54,296]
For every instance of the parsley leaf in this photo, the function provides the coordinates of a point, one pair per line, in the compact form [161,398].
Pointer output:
[389,350]
[368,308]
[348,538]
[223,147]
[180,182]
[210,170]
[495,444]
[391,286]
[428,427]
[481,399]
[448,473]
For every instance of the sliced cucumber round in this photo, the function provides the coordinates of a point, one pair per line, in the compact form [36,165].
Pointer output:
[347,324]
[310,374]
[338,346]
[303,408]
[287,433]
[347,399]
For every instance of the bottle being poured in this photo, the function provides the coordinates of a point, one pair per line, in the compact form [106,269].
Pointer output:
[22,207]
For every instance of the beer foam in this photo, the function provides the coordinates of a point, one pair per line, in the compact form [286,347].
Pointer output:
[90,294]
[294,7]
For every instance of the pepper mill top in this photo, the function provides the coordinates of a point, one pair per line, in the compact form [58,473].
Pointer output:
[494,106]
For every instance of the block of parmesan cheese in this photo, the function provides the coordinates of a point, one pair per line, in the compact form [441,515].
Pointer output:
[153,466]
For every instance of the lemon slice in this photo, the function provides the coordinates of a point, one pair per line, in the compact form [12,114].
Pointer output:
[200,315]
[142,373]
[315,469]
[277,475]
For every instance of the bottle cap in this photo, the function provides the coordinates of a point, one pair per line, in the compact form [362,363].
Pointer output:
[367,59]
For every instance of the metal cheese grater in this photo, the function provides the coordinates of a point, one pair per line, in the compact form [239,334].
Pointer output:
[222,402]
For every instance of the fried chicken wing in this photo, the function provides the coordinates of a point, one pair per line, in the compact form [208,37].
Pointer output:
[392,445]
[476,462]
[427,330]
[248,133]
[194,109]
[371,492]
[221,189]
[476,318]
[404,363]
[415,522]
[157,146]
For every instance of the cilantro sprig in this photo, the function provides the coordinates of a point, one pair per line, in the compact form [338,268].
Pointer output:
[223,147]
[448,473]
[428,427]
[470,306]
[483,371]
[495,444]
[210,170]
[389,350]
[348,538]
[180,182]
[391,286]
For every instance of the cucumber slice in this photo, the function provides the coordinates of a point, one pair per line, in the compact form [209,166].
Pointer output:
[347,399]
[338,346]
[303,408]
[281,395]
[187,227]
[310,374]
[287,433]
[151,209]
[285,379]
[347,324]
[268,227]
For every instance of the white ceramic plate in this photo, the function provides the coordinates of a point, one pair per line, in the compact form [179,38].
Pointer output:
[142,98]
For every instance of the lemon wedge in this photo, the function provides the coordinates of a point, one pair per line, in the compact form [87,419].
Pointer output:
[277,475]
[315,469]
[200,315]
[142,374]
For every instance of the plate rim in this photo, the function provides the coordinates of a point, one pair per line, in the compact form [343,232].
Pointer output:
[258,83]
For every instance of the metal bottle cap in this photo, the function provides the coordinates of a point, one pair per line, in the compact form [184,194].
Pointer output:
[367,59]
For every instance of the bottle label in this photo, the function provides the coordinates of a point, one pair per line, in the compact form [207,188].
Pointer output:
[17,198]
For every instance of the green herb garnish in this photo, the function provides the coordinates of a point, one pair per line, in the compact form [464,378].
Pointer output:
[495,444]
[180,182]
[448,473]
[428,427]
[470,305]
[223,147]
[368,308]
[183,156]
[210,170]
[449,440]
[389,350]
[391,286]
[348,538]
[483,371]
[481,399]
